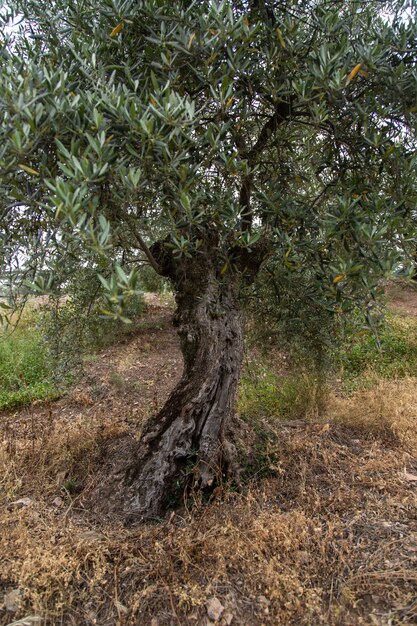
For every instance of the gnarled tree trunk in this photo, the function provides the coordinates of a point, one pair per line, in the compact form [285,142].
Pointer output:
[190,427]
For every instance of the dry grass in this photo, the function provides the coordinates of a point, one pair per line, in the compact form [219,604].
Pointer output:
[329,538]
[388,410]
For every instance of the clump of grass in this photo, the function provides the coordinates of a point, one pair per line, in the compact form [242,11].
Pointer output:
[316,544]
[263,392]
[44,352]
[390,354]
[265,398]
[26,373]
[387,410]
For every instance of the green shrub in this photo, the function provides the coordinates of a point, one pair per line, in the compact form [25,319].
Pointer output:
[264,393]
[152,282]
[45,352]
[73,324]
[391,352]
[26,371]
[292,311]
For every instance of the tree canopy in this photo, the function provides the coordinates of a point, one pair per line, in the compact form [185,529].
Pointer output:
[204,138]
[124,122]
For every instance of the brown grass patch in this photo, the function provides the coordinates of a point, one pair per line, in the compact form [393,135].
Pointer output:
[329,538]
[388,410]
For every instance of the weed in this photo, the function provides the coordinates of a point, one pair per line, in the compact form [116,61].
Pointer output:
[72,485]
[266,397]
[259,461]
[365,357]
[117,380]
[26,373]
[263,392]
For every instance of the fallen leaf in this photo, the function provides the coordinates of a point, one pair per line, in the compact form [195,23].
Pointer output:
[60,478]
[21,502]
[27,621]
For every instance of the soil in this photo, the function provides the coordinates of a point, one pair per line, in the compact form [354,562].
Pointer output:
[126,382]
[323,532]
[402,297]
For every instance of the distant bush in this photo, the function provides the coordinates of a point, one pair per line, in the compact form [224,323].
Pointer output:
[73,323]
[45,352]
[390,352]
[265,393]
[26,371]
[291,312]
[152,282]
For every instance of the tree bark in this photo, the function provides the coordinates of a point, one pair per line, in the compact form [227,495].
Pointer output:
[189,431]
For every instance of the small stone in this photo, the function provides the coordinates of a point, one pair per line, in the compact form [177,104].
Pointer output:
[214,609]
[227,618]
[58,501]
[264,604]
[21,503]
[12,600]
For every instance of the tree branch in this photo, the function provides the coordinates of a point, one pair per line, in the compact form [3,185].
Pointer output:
[282,112]
[133,228]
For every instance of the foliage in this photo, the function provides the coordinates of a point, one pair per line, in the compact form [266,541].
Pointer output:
[73,323]
[355,351]
[43,352]
[150,281]
[390,352]
[289,395]
[26,372]
[295,312]
[265,126]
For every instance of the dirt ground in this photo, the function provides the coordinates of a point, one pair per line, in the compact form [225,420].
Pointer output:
[401,297]
[125,382]
[324,532]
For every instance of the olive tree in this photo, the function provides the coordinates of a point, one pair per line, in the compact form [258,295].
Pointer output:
[205,137]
